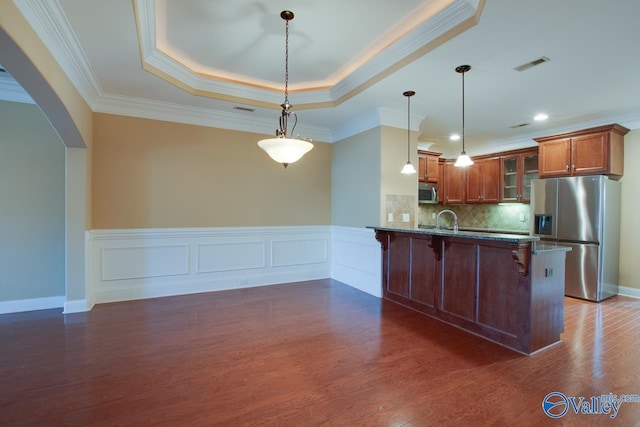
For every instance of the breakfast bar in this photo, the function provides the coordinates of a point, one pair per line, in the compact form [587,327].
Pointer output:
[503,287]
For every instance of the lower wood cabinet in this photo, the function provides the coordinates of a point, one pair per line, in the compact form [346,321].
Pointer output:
[483,286]
[412,284]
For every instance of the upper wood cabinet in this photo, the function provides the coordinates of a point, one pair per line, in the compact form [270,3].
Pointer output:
[483,181]
[595,151]
[516,172]
[427,167]
[454,184]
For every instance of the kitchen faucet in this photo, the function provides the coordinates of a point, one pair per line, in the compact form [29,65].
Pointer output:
[455,219]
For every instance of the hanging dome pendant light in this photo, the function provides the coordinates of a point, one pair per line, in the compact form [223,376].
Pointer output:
[463,160]
[284,149]
[408,169]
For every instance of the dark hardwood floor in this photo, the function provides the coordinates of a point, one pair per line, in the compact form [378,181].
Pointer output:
[302,354]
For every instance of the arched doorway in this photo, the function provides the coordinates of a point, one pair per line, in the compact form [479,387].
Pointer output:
[78,296]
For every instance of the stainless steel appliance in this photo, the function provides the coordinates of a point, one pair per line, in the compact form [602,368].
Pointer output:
[427,193]
[582,213]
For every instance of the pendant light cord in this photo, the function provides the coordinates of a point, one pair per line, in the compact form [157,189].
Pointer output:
[463,152]
[286,64]
[408,127]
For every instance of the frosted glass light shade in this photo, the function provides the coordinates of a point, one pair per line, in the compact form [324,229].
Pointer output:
[463,161]
[285,150]
[408,169]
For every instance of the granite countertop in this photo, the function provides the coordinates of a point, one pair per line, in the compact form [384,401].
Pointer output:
[545,248]
[480,235]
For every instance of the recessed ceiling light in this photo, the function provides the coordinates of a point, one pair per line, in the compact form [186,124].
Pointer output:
[454,137]
[540,117]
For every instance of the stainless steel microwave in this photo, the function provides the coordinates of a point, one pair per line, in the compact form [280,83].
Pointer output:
[427,192]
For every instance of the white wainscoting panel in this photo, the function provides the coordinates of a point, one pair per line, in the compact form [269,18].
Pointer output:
[356,259]
[144,262]
[214,257]
[299,252]
[149,263]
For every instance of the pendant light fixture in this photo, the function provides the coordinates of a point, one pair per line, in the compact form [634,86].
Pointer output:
[463,159]
[408,169]
[284,149]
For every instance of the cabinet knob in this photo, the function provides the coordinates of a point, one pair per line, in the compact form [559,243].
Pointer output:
[574,167]
[567,167]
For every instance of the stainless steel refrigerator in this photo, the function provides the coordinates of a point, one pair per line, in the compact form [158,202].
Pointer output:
[582,213]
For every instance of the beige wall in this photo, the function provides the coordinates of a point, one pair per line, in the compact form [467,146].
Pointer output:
[629,223]
[399,193]
[355,195]
[155,174]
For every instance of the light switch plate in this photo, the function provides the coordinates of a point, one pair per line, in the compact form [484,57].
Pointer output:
[405,217]
[390,217]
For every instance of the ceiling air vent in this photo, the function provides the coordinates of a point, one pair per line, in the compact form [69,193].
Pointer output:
[533,63]
[521,125]
[250,110]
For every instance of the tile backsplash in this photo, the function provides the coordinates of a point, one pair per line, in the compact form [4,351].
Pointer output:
[398,205]
[502,217]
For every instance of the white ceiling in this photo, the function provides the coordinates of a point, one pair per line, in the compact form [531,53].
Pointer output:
[350,60]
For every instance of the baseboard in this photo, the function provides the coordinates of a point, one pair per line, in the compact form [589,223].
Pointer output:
[626,291]
[31,304]
[77,306]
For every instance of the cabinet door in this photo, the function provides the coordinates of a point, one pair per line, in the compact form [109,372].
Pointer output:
[397,279]
[474,183]
[431,174]
[490,181]
[555,158]
[483,181]
[423,274]
[454,183]
[590,154]
[422,168]
[509,171]
[441,183]
[529,172]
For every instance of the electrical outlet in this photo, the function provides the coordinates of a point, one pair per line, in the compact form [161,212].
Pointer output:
[405,217]
[548,272]
[521,217]
[390,217]
[433,215]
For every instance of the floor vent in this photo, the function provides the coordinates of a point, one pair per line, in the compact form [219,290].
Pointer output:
[533,63]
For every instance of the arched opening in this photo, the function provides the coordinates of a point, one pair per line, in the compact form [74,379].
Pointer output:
[15,61]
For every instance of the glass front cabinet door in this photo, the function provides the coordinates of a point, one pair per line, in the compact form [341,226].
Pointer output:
[517,171]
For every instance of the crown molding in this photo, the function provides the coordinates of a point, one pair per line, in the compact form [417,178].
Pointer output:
[452,19]
[414,45]
[49,22]
[630,121]
[156,110]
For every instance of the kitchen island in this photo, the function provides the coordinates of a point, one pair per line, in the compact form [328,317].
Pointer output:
[499,286]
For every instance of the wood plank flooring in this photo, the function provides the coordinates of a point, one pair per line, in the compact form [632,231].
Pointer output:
[302,354]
